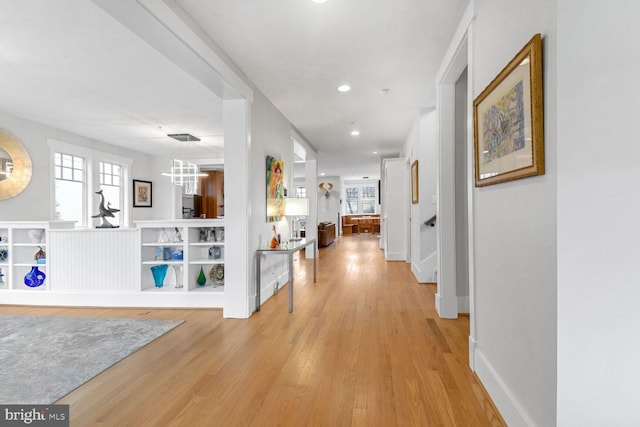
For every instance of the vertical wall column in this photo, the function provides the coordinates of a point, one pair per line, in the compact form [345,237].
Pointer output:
[311,173]
[239,256]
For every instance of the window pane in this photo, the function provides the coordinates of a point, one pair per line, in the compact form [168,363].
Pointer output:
[112,199]
[368,200]
[116,180]
[78,162]
[58,170]
[352,200]
[57,159]
[67,161]
[67,174]
[69,201]
[116,170]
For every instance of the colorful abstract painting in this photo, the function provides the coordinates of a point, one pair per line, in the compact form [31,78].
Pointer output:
[275,189]
[503,125]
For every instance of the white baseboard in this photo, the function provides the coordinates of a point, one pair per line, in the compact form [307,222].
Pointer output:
[447,309]
[472,353]
[396,256]
[463,304]
[504,399]
[267,289]
[159,299]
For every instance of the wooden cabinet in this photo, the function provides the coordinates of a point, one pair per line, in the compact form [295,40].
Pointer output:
[212,190]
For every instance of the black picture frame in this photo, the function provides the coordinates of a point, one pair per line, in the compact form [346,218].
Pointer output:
[142,194]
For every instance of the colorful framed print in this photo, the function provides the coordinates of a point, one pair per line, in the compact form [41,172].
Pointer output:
[142,194]
[508,121]
[275,189]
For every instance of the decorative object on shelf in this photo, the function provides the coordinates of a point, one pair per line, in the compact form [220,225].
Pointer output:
[211,235]
[164,237]
[217,275]
[204,234]
[40,256]
[4,255]
[275,242]
[163,254]
[1,277]
[142,194]
[177,255]
[159,272]
[178,236]
[219,232]
[34,278]
[202,279]
[508,121]
[177,268]
[15,171]
[275,189]
[215,252]
[104,212]
[36,235]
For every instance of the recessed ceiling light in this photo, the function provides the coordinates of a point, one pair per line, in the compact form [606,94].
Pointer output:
[355,132]
[384,91]
[344,88]
[319,1]
[322,174]
[375,152]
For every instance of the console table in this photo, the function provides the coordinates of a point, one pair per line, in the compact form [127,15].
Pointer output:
[294,246]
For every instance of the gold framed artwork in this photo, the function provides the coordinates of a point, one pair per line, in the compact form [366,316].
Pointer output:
[508,121]
[15,166]
[414,182]
[275,189]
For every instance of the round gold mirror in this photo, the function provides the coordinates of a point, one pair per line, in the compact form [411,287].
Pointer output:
[15,166]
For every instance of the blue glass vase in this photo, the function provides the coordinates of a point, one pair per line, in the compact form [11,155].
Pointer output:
[34,278]
[159,272]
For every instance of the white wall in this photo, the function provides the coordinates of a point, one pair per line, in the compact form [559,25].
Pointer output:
[515,233]
[34,203]
[461,207]
[598,205]
[394,220]
[421,145]
[270,135]
[328,208]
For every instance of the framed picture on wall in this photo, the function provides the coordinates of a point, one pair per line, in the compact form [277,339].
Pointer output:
[414,182]
[142,194]
[275,189]
[508,121]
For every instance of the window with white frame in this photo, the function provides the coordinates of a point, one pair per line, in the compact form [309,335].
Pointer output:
[301,192]
[79,172]
[70,184]
[111,186]
[361,198]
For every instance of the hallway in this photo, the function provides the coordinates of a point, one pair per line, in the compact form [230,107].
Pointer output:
[364,346]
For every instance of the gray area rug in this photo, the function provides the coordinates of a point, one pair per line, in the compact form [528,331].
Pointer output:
[43,358]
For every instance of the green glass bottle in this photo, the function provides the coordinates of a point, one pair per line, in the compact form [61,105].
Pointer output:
[202,279]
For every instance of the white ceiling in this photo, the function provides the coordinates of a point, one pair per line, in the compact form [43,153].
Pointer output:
[70,65]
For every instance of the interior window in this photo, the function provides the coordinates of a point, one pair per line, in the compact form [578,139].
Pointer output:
[111,186]
[70,178]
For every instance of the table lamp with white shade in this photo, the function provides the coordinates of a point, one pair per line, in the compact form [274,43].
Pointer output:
[295,207]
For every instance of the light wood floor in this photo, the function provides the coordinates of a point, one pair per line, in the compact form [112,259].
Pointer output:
[363,347]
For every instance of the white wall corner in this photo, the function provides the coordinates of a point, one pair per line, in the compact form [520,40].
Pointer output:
[510,408]
[447,306]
